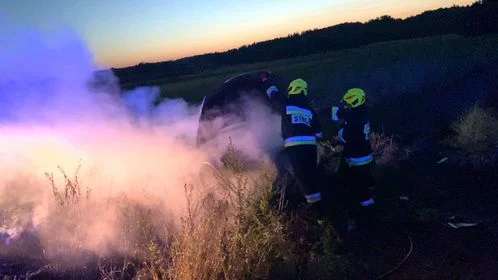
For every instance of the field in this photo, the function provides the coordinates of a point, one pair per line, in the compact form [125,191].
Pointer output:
[395,66]
[433,108]
[451,71]
[416,89]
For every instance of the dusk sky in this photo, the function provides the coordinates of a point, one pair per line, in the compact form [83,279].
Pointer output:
[126,32]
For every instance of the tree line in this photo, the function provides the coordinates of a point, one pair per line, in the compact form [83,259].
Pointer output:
[476,19]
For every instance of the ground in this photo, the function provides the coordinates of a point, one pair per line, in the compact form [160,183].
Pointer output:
[401,78]
[438,252]
[436,191]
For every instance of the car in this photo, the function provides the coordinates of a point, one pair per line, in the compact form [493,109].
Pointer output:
[224,109]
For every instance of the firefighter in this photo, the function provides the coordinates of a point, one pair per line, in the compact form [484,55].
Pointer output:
[357,157]
[300,130]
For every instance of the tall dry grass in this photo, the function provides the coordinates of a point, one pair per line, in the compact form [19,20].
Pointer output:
[385,150]
[231,229]
[476,136]
[232,232]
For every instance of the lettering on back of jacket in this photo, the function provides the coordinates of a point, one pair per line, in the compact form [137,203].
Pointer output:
[300,119]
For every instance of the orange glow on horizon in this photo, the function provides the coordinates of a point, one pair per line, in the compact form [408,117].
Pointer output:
[238,36]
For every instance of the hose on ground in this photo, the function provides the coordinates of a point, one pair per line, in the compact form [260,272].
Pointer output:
[386,274]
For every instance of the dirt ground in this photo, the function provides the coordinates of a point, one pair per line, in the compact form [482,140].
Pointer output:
[438,252]
[435,192]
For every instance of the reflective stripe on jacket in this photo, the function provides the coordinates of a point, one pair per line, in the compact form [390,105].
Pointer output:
[354,134]
[299,140]
[359,161]
[295,110]
[312,198]
[300,125]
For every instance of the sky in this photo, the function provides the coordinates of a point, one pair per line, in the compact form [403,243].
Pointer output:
[126,32]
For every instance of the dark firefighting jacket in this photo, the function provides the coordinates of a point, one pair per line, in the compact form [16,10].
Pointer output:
[300,124]
[354,134]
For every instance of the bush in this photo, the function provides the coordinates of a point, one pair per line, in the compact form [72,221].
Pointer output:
[476,135]
[234,234]
[237,233]
[385,150]
[329,153]
[231,229]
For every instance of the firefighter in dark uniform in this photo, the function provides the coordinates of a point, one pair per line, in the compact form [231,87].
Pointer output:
[357,157]
[300,130]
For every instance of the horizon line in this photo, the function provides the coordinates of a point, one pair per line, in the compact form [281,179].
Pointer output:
[276,38]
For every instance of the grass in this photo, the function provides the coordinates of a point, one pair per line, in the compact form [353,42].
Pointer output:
[70,193]
[386,151]
[387,67]
[476,135]
[231,229]
[403,79]
[239,234]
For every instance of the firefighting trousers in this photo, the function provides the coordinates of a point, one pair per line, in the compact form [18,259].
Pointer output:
[358,181]
[303,159]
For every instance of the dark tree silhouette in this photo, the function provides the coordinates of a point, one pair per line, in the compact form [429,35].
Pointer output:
[476,19]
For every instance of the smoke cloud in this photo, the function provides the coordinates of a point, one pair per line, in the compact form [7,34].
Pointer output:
[75,150]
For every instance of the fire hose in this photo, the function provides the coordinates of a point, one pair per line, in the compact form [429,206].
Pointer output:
[391,271]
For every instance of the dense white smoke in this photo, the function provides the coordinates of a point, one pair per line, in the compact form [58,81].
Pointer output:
[74,149]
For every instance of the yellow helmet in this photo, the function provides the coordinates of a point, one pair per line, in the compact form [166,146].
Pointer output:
[354,97]
[298,86]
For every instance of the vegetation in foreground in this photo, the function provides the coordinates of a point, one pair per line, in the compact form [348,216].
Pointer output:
[475,134]
[234,227]
[433,146]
